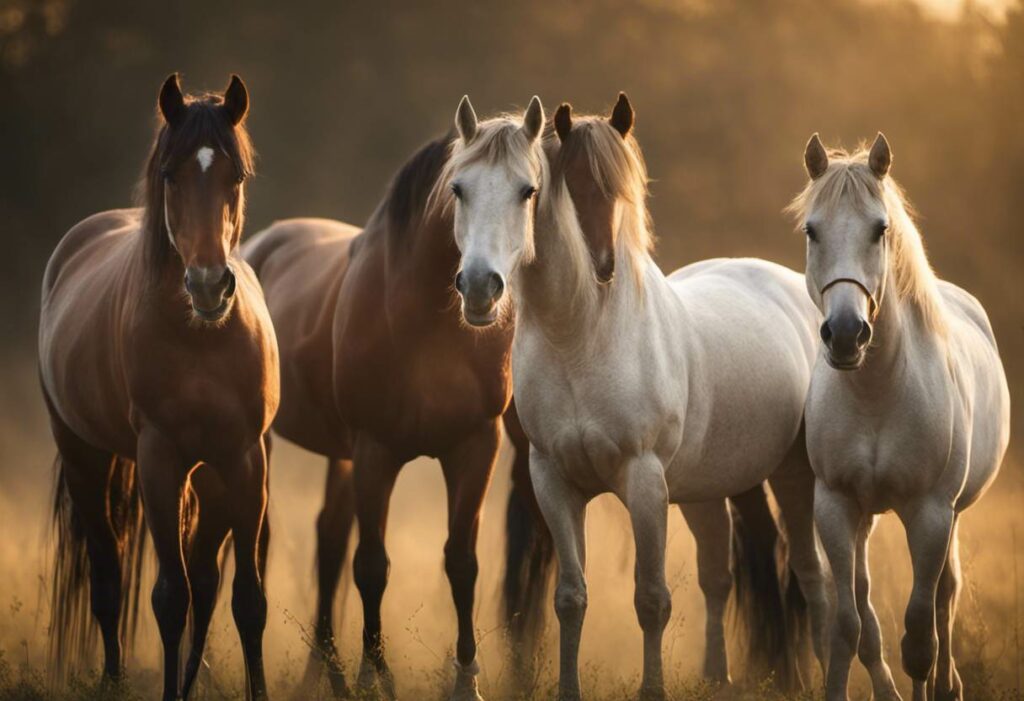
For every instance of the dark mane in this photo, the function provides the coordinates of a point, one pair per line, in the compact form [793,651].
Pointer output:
[204,123]
[407,201]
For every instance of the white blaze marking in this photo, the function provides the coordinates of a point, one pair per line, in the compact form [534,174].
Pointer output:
[205,157]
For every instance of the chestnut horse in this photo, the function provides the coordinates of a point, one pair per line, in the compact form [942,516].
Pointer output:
[157,355]
[377,369]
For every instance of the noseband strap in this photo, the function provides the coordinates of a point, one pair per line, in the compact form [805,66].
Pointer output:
[873,302]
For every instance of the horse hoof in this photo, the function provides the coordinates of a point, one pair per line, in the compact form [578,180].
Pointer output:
[466,688]
[653,693]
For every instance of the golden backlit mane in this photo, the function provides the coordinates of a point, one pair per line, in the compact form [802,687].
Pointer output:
[618,167]
[849,180]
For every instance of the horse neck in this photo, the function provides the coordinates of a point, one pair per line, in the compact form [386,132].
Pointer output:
[433,257]
[899,330]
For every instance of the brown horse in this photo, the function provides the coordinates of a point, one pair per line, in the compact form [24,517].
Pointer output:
[377,369]
[156,351]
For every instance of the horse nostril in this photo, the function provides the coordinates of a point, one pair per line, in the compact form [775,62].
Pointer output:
[864,337]
[496,285]
[229,290]
[826,332]
[460,282]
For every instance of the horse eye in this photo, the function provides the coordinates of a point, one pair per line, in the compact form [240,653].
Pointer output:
[812,234]
[529,191]
[880,229]
[457,191]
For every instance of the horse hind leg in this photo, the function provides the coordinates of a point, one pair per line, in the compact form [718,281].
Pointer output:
[375,470]
[711,525]
[869,649]
[333,530]
[85,473]
[948,686]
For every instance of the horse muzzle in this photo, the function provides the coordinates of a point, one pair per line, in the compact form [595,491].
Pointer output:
[481,291]
[211,290]
[846,336]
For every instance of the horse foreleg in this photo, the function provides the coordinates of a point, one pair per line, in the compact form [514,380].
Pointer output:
[837,517]
[248,480]
[467,472]
[376,469]
[162,474]
[646,497]
[929,524]
[203,568]
[711,525]
[564,510]
[870,648]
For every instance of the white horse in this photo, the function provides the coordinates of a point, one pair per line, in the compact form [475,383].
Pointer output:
[661,390]
[921,426]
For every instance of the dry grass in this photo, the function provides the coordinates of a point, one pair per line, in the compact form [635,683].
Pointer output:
[418,615]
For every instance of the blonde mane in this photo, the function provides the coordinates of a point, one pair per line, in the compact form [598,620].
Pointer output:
[850,180]
[617,165]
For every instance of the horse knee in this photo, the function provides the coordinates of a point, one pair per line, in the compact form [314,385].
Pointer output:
[370,567]
[570,603]
[249,605]
[170,601]
[653,605]
[919,653]
[461,566]
[848,628]
[716,586]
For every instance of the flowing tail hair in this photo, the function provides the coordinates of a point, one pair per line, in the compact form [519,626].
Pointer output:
[72,628]
[770,612]
[529,563]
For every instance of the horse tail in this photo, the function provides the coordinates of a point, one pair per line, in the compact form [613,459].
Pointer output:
[529,561]
[72,627]
[761,613]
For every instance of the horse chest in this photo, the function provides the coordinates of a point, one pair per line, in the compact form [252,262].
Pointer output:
[214,403]
[883,454]
[424,392]
[593,417]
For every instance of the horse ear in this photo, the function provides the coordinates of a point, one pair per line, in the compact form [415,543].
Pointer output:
[815,157]
[236,100]
[622,115]
[171,101]
[563,121]
[465,119]
[533,120]
[880,158]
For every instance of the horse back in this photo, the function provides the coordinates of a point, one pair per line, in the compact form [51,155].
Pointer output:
[301,264]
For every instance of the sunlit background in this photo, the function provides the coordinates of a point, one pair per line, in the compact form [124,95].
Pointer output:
[726,94]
